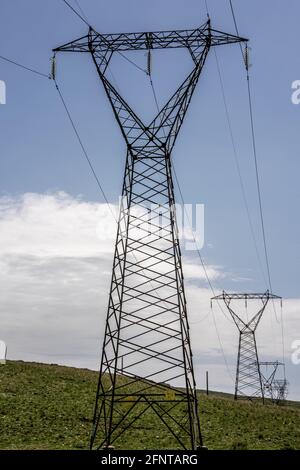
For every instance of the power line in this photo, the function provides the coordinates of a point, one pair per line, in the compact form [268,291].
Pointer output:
[200,320]
[83,147]
[195,241]
[155,99]
[76,13]
[238,165]
[206,7]
[259,190]
[81,10]
[220,343]
[253,136]
[258,182]
[245,60]
[132,62]
[92,167]
[25,67]
[72,121]
[88,24]
[254,147]
[233,16]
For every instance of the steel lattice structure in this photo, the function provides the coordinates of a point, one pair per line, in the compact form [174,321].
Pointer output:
[146,351]
[248,383]
[275,389]
[280,387]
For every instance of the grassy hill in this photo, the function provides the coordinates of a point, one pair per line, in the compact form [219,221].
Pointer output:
[50,407]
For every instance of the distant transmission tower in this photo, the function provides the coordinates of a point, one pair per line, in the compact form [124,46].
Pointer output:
[268,370]
[280,387]
[274,388]
[146,353]
[248,383]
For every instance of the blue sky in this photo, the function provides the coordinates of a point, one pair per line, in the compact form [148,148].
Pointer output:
[39,153]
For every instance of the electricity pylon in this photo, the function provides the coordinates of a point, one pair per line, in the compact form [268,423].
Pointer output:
[248,383]
[272,386]
[280,387]
[146,352]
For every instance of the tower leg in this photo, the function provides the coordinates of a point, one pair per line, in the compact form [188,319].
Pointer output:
[237,369]
[248,378]
[258,371]
[146,366]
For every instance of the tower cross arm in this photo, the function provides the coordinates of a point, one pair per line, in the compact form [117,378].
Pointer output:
[189,38]
[247,296]
[219,38]
[252,324]
[78,45]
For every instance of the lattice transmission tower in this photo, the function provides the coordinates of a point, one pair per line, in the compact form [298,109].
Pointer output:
[274,388]
[248,383]
[147,363]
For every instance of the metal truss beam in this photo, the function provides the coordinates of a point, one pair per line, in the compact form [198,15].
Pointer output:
[122,42]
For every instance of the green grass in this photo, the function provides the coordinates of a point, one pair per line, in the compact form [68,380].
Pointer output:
[50,407]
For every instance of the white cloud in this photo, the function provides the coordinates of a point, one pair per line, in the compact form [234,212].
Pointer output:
[55,266]
[196,271]
[54,225]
